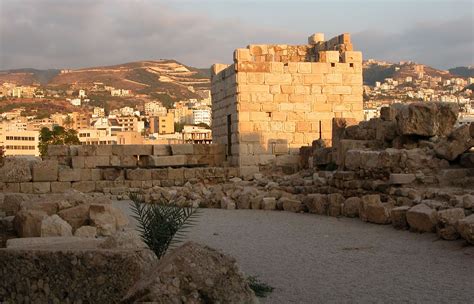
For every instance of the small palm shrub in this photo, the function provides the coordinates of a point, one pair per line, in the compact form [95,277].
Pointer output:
[162,225]
[260,288]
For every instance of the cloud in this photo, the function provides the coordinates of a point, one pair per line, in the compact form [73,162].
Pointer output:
[440,44]
[81,33]
[59,34]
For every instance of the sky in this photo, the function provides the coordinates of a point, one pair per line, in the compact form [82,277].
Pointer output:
[47,34]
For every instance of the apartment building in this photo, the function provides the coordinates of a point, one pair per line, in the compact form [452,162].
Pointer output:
[162,124]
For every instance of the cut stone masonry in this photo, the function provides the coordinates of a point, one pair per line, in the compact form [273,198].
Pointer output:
[276,98]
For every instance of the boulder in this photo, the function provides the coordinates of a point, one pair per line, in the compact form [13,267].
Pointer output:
[193,273]
[319,204]
[55,226]
[458,142]
[227,203]
[427,119]
[398,217]
[86,232]
[15,170]
[467,159]
[12,202]
[447,221]
[268,203]
[76,216]
[422,218]
[292,205]
[27,223]
[107,219]
[351,207]
[45,171]
[465,227]
[129,239]
[336,202]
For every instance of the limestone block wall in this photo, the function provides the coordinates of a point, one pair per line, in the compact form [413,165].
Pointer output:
[103,168]
[276,98]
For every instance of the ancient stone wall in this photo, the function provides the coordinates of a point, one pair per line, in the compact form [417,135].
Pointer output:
[276,98]
[104,168]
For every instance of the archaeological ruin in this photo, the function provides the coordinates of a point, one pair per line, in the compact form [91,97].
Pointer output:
[288,136]
[276,98]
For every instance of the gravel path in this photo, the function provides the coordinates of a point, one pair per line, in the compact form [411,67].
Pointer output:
[318,259]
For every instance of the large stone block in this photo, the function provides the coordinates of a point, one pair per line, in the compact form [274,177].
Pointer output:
[336,203]
[76,216]
[138,174]
[58,150]
[41,187]
[447,221]
[162,150]
[70,270]
[27,223]
[458,142]
[91,162]
[15,170]
[422,218]
[55,226]
[319,204]
[69,175]
[427,119]
[401,179]
[163,161]
[351,207]
[84,186]
[292,205]
[465,227]
[134,150]
[60,187]
[398,217]
[182,149]
[45,171]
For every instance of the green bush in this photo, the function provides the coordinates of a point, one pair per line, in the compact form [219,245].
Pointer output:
[259,288]
[162,225]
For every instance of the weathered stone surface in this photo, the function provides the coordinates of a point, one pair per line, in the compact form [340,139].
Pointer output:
[465,227]
[398,217]
[76,216]
[107,219]
[268,203]
[427,119]
[163,161]
[58,150]
[27,223]
[84,186]
[69,175]
[127,239]
[336,202]
[319,204]
[193,274]
[292,205]
[55,226]
[161,150]
[45,171]
[401,179]
[60,187]
[12,202]
[86,232]
[133,150]
[447,221]
[467,159]
[70,270]
[422,218]
[182,149]
[15,170]
[458,142]
[351,207]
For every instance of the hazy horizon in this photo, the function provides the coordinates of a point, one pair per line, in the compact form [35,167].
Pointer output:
[53,34]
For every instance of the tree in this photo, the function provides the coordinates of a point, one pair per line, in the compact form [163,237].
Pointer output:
[57,136]
[68,121]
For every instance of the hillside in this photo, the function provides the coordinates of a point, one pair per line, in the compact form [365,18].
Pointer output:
[161,77]
[462,71]
[378,71]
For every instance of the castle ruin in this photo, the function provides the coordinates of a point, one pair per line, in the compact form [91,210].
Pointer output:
[276,98]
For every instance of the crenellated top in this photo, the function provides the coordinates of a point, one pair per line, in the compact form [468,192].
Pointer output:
[259,57]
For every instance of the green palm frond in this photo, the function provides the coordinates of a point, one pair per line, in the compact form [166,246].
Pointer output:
[162,225]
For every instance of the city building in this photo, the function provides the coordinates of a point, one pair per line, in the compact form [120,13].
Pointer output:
[202,115]
[20,142]
[162,124]
[155,108]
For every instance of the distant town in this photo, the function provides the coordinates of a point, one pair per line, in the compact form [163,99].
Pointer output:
[188,120]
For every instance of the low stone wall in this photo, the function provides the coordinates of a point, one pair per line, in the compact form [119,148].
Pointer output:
[70,275]
[105,167]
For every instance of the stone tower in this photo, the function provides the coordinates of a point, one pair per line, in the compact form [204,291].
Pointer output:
[276,98]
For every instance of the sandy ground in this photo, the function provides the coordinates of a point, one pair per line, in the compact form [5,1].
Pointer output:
[318,259]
